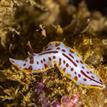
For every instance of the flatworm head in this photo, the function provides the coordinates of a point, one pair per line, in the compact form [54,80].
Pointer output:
[67,61]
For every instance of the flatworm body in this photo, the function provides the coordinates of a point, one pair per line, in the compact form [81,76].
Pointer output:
[67,61]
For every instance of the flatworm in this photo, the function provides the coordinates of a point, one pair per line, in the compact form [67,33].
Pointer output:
[67,61]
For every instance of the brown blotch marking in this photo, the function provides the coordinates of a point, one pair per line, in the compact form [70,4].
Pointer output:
[37,62]
[41,61]
[75,73]
[100,80]
[46,66]
[31,60]
[30,67]
[71,56]
[64,69]
[54,57]
[72,69]
[75,78]
[77,61]
[79,75]
[44,59]
[64,61]
[92,76]
[49,58]
[49,49]
[59,61]
[24,64]
[82,67]
[58,48]
[85,79]
[67,65]
[63,50]
[81,62]
[88,72]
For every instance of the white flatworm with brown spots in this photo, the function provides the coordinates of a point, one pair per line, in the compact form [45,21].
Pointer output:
[66,60]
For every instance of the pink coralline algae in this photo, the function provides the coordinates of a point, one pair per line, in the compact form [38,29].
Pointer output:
[69,102]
